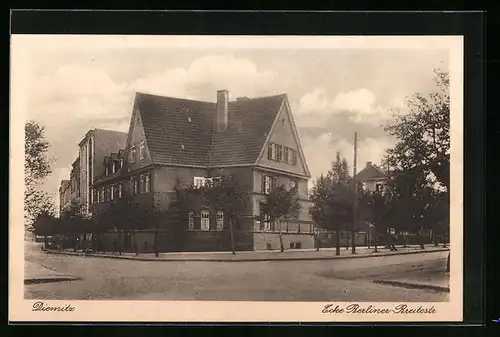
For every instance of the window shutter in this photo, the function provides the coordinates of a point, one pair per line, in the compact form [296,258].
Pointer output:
[263,183]
[270,151]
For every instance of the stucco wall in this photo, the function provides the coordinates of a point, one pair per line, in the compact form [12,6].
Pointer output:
[266,241]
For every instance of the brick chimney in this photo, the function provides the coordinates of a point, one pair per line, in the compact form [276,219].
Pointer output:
[222,113]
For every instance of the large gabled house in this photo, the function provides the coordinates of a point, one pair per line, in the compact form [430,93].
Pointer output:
[173,142]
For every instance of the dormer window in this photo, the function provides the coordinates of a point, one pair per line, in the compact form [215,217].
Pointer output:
[113,167]
[106,170]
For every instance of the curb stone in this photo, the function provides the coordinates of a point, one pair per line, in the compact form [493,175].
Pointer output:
[298,258]
[413,285]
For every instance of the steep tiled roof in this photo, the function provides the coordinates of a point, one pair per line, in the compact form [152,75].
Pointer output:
[370,172]
[250,122]
[182,132]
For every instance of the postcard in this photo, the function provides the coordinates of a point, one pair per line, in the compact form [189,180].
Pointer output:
[236,178]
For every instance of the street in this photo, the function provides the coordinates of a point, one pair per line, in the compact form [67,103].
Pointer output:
[313,280]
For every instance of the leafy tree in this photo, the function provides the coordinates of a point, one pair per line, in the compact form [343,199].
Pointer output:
[419,164]
[280,205]
[45,224]
[423,133]
[226,195]
[36,169]
[333,197]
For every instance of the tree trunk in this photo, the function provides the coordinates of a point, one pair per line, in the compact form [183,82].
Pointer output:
[157,253]
[448,264]
[281,243]
[375,243]
[120,243]
[404,239]
[318,242]
[421,238]
[136,248]
[231,233]
[337,242]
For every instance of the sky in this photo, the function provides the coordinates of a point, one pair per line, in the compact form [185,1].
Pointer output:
[71,88]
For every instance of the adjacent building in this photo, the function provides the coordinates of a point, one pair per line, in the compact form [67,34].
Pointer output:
[372,177]
[64,196]
[173,142]
[96,144]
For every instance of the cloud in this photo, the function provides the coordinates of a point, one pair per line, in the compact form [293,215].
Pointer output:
[317,107]
[210,73]
[320,152]
[78,97]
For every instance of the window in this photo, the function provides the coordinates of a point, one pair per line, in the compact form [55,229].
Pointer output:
[141,150]
[279,156]
[136,185]
[112,192]
[293,184]
[191,220]
[205,220]
[257,225]
[199,182]
[147,182]
[267,223]
[272,151]
[215,180]
[286,155]
[96,195]
[266,184]
[102,194]
[121,164]
[113,167]
[132,154]
[294,157]
[120,190]
[106,170]
[220,220]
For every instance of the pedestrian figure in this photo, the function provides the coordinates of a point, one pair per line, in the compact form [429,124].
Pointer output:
[393,241]
[114,247]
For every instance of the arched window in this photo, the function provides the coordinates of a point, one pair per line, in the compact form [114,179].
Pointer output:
[205,220]
[191,220]
[220,220]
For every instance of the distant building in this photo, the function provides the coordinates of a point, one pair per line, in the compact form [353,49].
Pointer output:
[372,178]
[74,179]
[175,141]
[64,196]
[96,144]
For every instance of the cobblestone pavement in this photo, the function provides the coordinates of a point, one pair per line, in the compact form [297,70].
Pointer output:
[321,280]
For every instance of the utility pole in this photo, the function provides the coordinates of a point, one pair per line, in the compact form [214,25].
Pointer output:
[355,205]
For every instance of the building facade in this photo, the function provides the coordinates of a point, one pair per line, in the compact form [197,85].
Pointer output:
[64,196]
[176,142]
[96,144]
[372,178]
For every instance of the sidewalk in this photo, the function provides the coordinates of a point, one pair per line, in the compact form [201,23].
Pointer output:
[433,280]
[35,273]
[274,255]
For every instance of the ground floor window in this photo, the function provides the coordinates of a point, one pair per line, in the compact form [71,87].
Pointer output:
[205,220]
[220,220]
[191,220]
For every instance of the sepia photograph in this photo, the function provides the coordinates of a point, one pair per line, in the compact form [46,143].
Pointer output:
[260,173]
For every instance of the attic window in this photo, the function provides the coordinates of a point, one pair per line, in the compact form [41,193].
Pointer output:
[183,147]
[189,119]
[283,121]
